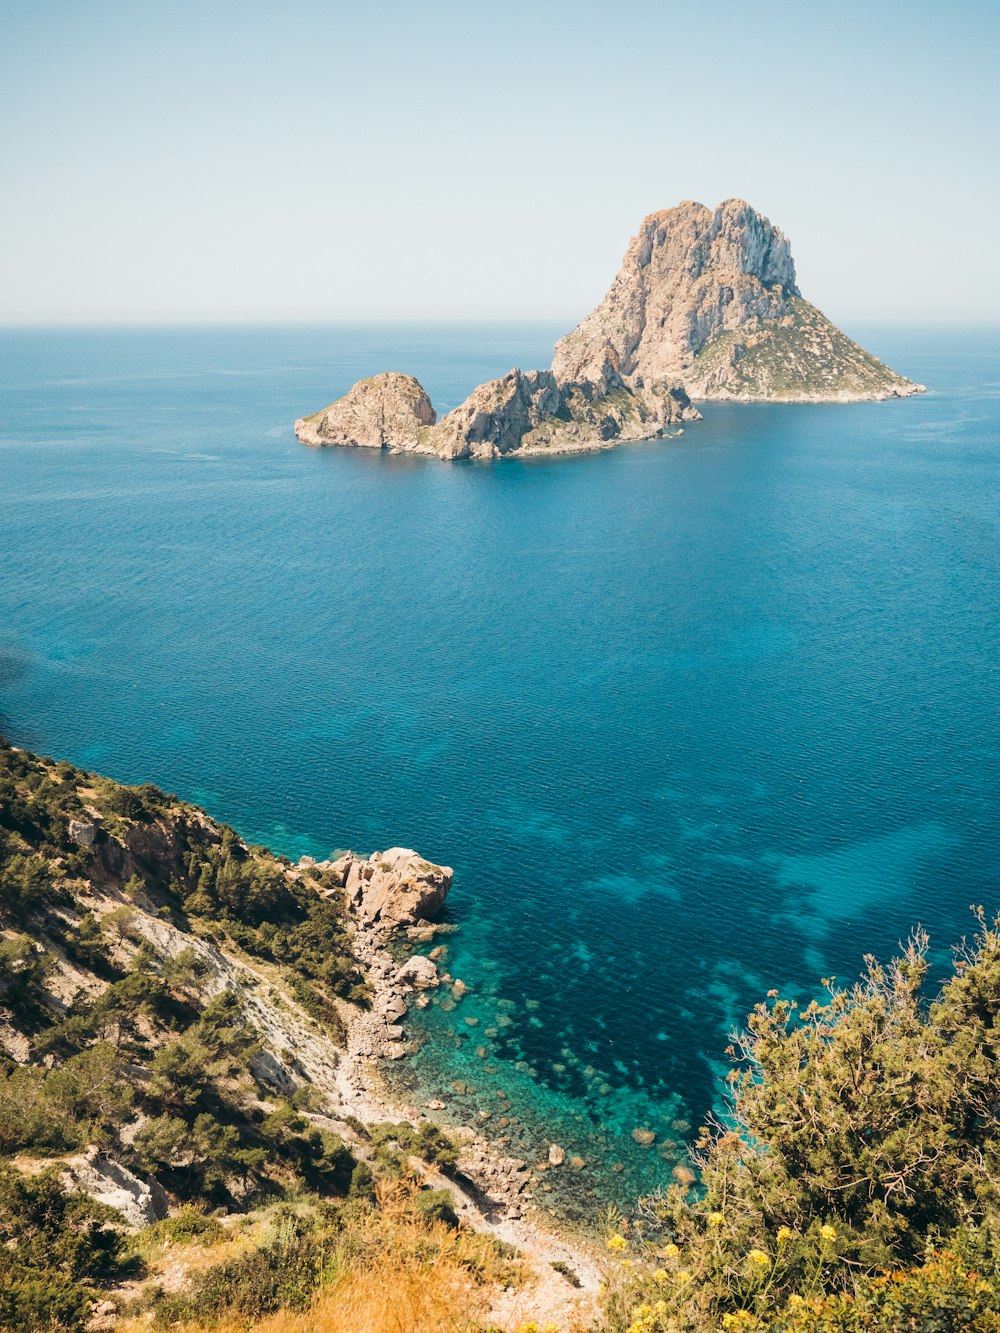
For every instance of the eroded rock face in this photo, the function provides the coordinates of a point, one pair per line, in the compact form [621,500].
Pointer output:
[83,832]
[522,412]
[108,1182]
[692,277]
[396,887]
[688,274]
[497,415]
[531,412]
[384,412]
[705,304]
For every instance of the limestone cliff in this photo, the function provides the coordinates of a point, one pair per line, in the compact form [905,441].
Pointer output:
[710,299]
[532,413]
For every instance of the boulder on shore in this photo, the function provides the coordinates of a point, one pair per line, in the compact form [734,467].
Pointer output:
[418,972]
[396,887]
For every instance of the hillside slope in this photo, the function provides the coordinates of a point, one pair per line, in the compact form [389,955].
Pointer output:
[189,1023]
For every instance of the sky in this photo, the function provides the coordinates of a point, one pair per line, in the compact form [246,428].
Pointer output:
[256,161]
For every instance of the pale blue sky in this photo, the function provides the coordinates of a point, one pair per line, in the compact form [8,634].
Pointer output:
[233,160]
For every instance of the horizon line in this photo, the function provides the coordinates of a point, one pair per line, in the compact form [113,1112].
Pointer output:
[160,325]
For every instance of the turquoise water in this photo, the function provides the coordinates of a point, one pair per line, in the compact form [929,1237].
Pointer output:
[689,719]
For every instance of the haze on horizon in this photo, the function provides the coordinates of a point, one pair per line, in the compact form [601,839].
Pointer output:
[240,162]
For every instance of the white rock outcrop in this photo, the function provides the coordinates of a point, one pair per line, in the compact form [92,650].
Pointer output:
[140,1203]
[83,832]
[419,972]
[397,887]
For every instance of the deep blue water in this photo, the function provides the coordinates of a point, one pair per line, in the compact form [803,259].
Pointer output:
[690,719]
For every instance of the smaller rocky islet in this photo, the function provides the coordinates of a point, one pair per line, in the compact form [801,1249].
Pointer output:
[522,412]
[705,306]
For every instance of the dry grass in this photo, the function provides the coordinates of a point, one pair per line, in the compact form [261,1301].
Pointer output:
[438,1297]
[396,1275]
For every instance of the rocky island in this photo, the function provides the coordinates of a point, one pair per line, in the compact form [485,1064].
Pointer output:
[705,306]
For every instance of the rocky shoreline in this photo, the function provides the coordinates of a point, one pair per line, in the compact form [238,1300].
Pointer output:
[523,413]
[394,898]
[388,904]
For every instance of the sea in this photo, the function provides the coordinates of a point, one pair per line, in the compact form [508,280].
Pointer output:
[691,720]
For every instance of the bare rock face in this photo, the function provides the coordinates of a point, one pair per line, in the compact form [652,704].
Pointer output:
[83,832]
[533,413]
[384,412]
[697,291]
[396,887]
[522,412]
[110,1183]
[497,415]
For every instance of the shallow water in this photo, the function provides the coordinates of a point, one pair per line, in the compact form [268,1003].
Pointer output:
[690,719]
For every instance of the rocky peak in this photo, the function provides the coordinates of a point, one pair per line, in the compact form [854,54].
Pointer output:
[384,411]
[740,239]
[709,299]
[689,274]
[498,414]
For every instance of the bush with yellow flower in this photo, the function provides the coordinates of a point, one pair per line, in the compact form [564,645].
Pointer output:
[863,1135]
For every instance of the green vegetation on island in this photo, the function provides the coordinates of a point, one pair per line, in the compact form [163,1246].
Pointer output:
[801,357]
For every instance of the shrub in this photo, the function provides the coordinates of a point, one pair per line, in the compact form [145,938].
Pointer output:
[189,1224]
[862,1131]
[25,885]
[53,1244]
[23,967]
[394,1142]
[125,801]
[283,1275]
[435,1206]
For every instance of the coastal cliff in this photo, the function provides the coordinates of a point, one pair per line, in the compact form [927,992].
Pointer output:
[522,413]
[710,299]
[193,1132]
[190,1023]
[704,306]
